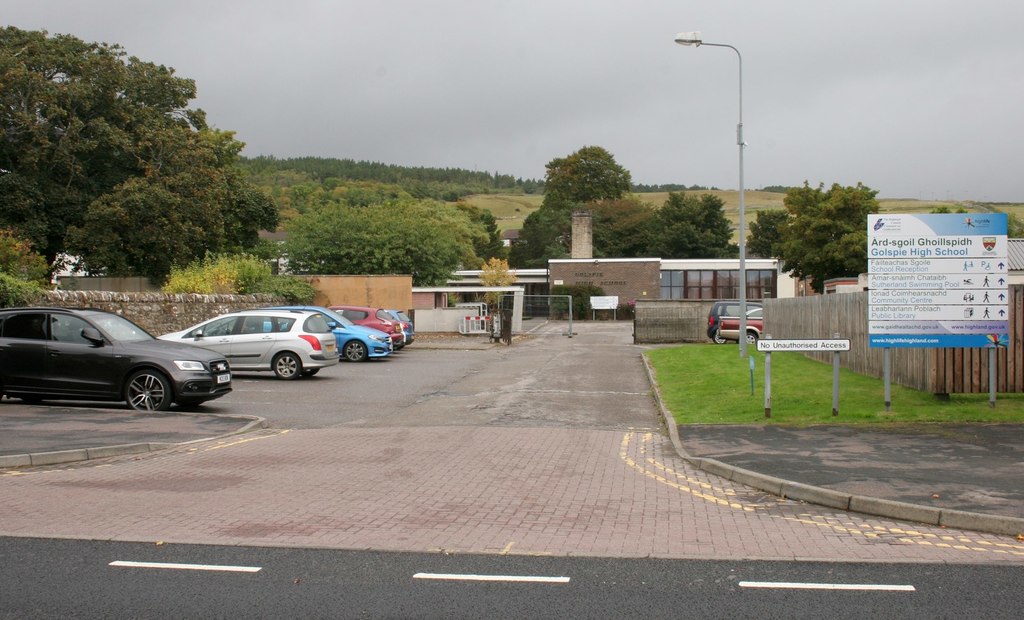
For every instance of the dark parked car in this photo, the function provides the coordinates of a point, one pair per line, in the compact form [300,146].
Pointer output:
[729,310]
[730,329]
[76,354]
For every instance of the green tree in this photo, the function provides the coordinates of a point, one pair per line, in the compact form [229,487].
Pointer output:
[190,202]
[766,233]
[826,235]
[587,175]
[491,245]
[71,113]
[86,127]
[19,261]
[427,240]
[623,228]
[545,235]
[692,227]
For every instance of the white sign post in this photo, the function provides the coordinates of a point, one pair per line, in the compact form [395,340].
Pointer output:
[767,345]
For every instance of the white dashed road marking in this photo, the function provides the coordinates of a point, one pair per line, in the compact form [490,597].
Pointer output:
[782,585]
[213,567]
[507,578]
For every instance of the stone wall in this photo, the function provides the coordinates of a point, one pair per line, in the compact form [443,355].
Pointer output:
[160,313]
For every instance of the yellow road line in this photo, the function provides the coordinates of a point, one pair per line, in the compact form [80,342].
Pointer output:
[867,531]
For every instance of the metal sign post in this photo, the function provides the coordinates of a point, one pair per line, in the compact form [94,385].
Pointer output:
[767,345]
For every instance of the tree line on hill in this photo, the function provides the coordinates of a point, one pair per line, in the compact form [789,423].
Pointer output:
[449,184]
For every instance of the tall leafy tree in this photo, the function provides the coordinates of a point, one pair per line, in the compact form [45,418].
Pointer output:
[190,202]
[430,241]
[490,245]
[590,174]
[692,227]
[766,233]
[71,113]
[826,235]
[623,228]
[85,127]
[545,235]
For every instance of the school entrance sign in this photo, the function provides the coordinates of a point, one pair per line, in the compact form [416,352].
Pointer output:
[938,280]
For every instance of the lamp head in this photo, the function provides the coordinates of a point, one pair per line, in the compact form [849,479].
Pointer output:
[689,38]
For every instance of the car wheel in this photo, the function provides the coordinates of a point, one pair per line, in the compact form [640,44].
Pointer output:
[752,338]
[287,366]
[717,338]
[310,372]
[148,390]
[355,351]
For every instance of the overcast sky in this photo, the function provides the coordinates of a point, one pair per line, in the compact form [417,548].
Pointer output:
[914,98]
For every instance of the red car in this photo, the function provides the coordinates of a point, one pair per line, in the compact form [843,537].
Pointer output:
[730,326]
[377,318]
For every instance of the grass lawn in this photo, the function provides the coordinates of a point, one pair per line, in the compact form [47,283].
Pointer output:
[710,384]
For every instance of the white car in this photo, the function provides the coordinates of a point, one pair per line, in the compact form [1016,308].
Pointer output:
[290,343]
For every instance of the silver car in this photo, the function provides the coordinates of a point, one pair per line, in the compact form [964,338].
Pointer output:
[290,343]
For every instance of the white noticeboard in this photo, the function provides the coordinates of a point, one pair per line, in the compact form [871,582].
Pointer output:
[604,302]
[938,280]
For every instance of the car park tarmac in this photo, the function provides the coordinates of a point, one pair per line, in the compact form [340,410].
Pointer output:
[553,445]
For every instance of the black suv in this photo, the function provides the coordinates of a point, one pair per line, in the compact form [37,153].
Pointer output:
[726,308]
[81,354]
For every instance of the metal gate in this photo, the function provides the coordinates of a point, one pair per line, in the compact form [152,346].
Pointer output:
[547,307]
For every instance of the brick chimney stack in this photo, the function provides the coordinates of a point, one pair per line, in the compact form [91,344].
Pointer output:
[582,234]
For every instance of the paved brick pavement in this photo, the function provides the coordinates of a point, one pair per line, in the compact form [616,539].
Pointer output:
[457,489]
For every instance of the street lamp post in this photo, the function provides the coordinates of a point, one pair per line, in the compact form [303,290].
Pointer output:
[694,39]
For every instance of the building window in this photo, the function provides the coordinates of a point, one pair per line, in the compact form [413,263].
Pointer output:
[671,284]
[716,283]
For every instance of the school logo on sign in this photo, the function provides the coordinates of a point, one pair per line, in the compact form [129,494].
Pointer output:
[989,243]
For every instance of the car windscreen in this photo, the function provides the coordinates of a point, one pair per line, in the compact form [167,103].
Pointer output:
[339,318]
[119,329]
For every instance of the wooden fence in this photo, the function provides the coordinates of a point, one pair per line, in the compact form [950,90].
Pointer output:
[941,371]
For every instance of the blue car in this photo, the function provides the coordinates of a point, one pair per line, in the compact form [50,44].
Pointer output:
[356,343]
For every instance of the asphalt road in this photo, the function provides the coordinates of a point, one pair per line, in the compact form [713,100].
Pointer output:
[99,579]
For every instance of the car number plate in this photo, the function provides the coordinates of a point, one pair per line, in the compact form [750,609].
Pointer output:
[225,378]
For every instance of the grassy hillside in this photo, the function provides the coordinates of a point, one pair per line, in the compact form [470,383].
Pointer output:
[510,210]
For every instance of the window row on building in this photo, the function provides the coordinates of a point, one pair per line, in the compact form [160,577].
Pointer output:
[717,283]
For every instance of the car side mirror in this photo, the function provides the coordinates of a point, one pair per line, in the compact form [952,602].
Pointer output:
[92,335]
[198,335]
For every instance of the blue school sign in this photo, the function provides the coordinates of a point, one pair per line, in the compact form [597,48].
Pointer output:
[938,280]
